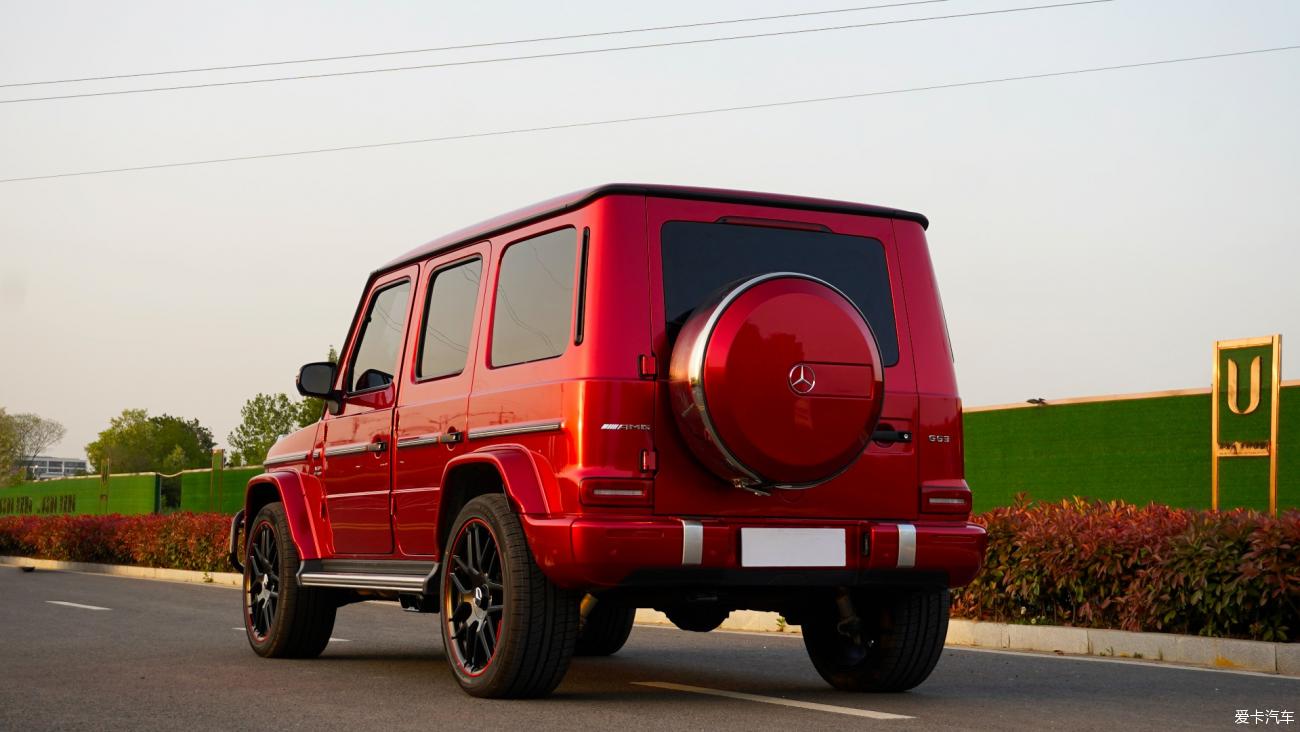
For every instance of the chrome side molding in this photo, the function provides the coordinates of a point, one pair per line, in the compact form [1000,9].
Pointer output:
[355,448]
[516,428]
[288,457]
[450,437]
[420,441]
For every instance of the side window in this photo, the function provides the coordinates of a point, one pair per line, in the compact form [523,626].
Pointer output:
[534,298]
[380,341]
[448,320]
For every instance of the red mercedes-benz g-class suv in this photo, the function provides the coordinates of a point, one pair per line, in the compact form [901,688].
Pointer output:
[634,396]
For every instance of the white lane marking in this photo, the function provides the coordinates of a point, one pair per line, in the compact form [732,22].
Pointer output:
[850,711]
[1145,663]
[77,604]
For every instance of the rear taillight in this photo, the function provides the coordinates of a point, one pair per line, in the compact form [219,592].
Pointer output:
[616,492]
[945,496]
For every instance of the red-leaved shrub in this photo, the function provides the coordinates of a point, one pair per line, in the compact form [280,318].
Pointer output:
[178,541]
[1115,565]
[1090,564]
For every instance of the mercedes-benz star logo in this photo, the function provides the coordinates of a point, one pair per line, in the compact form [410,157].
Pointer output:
[802,379]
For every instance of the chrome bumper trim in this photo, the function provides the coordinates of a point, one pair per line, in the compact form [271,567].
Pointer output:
[906,546]
[692,543]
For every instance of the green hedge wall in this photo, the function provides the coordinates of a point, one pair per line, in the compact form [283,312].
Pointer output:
[1136,450]
[125,494]
[128,494]
[199,495]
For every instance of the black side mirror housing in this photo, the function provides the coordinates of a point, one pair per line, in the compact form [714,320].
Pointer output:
[317,380]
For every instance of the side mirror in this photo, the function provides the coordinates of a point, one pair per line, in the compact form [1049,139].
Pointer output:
[317,380]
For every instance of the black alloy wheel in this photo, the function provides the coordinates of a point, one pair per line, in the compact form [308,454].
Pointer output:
[474,606]
[506,630]
[281,618]
[263,579]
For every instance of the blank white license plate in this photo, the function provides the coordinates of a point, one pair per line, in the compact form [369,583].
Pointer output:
[791,547]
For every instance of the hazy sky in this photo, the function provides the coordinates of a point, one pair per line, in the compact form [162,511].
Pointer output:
[1093,234]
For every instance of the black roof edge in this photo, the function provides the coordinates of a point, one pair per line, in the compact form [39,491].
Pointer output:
[580,198]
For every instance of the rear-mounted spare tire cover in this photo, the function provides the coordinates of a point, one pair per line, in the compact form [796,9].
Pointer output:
[777,382]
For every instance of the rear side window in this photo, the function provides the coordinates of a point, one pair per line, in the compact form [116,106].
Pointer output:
[448,320]
[533,316]
[380,341]
[700,258]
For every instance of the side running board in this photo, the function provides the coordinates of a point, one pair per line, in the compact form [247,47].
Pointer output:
[418,578]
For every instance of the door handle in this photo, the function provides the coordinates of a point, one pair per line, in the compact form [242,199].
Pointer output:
[451,436]
[377,446]
[889,435]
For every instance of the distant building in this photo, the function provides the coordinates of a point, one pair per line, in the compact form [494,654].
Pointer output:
[43,467]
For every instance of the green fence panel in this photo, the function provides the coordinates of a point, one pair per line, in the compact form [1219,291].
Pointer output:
[234,482]
[132,494]
[1135,450]
[195,491]
[67,495]
[127,494]
[201,494]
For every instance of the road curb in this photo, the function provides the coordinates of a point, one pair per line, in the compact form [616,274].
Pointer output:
[224,579]
[1223,653]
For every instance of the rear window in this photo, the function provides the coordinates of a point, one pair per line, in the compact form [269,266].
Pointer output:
[700,258]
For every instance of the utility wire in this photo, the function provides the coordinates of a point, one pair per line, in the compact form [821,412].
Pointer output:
[558,54]
[486,44]
[667,115]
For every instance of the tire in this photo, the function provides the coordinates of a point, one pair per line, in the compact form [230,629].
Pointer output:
[281,619]
[605,630]
[507,631]
[903,636]
[698,619]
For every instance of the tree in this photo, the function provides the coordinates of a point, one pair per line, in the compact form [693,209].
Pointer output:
[8,450]
[22,438]
[174,462]
[265,418]
[135,442]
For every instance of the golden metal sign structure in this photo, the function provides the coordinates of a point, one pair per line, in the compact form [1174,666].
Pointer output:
[1247,447]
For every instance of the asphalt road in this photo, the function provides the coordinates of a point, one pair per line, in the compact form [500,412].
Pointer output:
[169,656]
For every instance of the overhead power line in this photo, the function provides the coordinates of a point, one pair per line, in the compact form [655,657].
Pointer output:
[666,115]
[485,44]
[558,54]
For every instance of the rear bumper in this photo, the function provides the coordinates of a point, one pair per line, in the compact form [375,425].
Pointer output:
[631,551]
